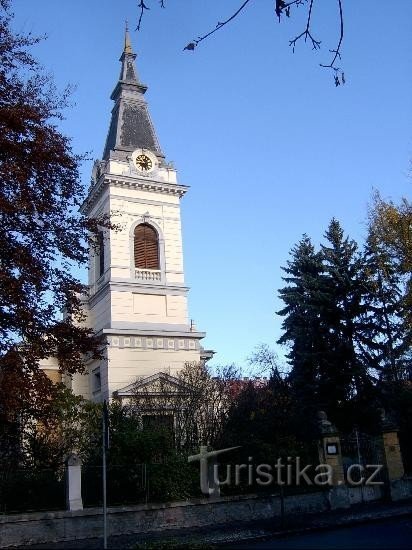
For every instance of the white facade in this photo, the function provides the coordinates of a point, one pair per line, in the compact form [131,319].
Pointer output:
[141,313]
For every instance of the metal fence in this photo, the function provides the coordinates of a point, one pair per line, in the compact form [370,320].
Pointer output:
[406,450]
[27,490]
[125,485]
[364,450]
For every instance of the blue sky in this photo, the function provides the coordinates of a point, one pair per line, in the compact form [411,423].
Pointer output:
[270,148]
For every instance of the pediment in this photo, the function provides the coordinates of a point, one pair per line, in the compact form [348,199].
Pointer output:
[157,384]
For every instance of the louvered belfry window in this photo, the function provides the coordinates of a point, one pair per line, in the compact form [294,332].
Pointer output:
[146,247]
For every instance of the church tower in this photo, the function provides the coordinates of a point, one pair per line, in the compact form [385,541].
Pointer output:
[138,296]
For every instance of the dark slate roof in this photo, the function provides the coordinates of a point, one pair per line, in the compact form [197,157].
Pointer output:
[130,127]
[137,129]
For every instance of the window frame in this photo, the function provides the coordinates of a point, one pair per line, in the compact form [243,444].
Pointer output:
[150,241]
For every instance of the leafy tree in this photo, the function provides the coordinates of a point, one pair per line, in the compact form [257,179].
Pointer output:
[47,444]
[74,424]
[390,252]
[142,461]
[42,233]
[391,226]
[265,420]
[387,341]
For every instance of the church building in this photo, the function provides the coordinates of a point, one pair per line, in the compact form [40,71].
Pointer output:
[137,293]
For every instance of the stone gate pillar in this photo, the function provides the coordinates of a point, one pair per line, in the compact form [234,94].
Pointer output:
[330,449]
[330,453]
[392,450]
[74,482]
[399,487]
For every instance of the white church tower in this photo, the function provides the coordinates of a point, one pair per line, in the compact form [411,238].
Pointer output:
[138,296]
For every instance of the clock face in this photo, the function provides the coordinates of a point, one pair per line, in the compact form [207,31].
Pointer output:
[143,162]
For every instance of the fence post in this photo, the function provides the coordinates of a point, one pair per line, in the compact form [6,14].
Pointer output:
[330,449]
[74,483]
[398,488]
[330,453]
[212,465]
[392,450]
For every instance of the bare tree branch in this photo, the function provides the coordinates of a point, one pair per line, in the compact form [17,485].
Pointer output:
[142,7]
[192,45]
[316,43]
[282,7]
[337,50]
[197,401]
[306,33]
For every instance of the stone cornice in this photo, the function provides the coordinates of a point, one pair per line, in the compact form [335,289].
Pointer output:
[143,184]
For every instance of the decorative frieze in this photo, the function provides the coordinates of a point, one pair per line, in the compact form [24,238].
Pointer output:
[173,344]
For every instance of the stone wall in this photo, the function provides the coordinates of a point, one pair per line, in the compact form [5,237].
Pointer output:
[49,527]
[35,528]
[401,489]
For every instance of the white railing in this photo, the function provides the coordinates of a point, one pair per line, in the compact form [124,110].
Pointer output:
[148,274]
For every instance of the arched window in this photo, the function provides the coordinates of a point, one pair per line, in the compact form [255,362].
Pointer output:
[146,247]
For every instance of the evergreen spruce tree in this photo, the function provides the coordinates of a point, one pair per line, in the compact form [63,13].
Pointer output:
[303,330]
[345,375]
[347,324]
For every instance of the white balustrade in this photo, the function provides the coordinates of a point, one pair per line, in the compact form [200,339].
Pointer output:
[148,274]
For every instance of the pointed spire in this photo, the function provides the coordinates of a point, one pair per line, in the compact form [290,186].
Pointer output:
[131,127]
[128,72]
[127,44]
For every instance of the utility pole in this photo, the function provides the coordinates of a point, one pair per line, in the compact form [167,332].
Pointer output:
[105,444]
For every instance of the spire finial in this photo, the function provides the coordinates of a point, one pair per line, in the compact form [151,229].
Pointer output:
[127,43]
